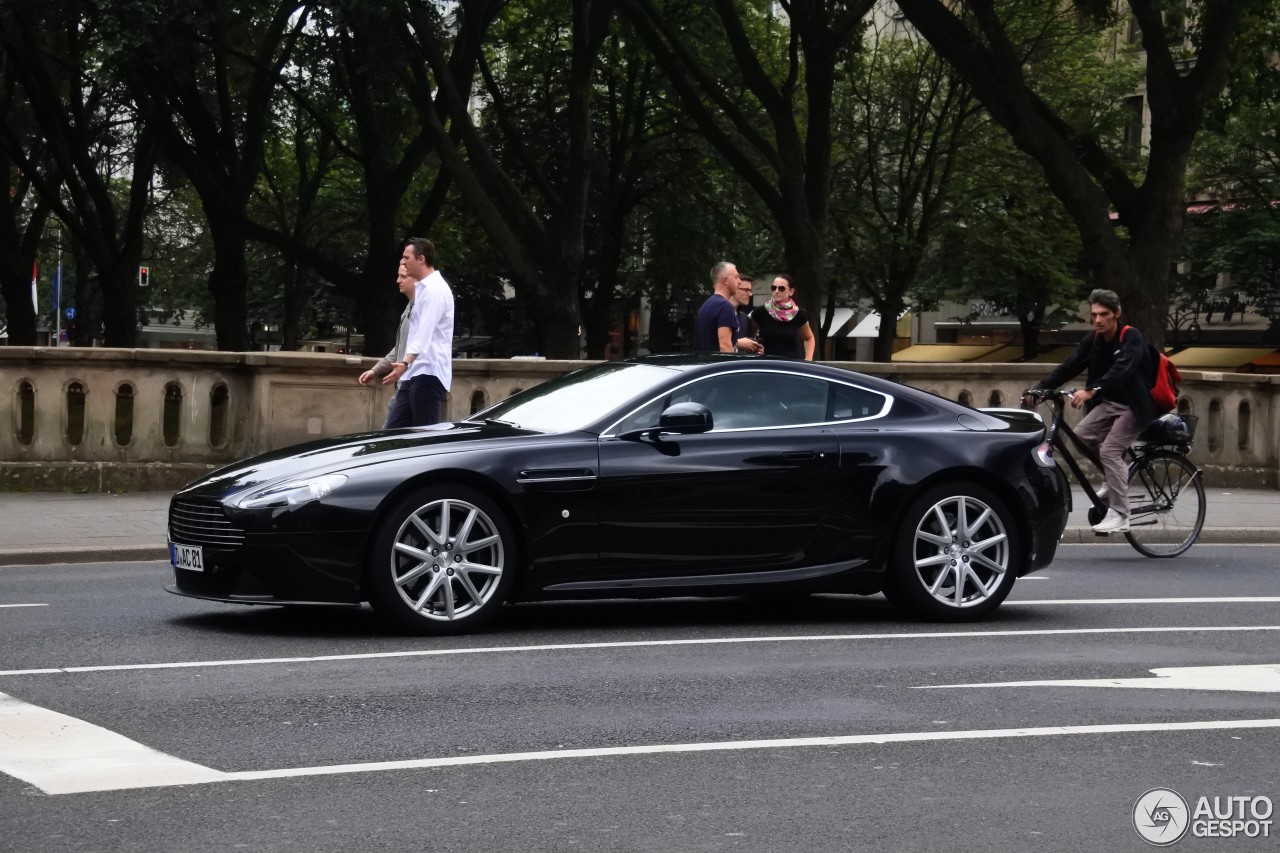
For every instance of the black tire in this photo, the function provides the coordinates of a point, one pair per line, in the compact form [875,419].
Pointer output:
[443,561]
[939,573]
[1166,504]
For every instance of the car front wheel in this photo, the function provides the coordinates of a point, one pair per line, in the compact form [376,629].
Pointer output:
[956,554]
[443,561]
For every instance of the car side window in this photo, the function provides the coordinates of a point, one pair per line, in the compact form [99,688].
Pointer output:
[759,399]
[849,403]
[751,399]
[642,418]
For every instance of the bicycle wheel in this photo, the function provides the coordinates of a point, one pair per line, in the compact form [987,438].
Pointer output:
[1166,504]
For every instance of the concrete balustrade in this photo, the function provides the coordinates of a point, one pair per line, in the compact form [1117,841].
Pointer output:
[111,419]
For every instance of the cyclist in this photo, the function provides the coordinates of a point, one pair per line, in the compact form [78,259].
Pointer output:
[1117,398]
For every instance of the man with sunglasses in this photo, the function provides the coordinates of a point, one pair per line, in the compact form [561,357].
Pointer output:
[427,368]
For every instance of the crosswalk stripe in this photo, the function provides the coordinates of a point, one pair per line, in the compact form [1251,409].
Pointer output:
[65,755]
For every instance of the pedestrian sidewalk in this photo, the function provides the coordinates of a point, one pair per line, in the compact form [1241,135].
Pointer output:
[52,527]
[1232,516]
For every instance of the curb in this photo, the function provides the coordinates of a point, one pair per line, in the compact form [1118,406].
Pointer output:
[97,554]
[1208,536]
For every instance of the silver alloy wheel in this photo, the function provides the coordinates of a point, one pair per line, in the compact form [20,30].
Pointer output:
[448,559]
[961,551]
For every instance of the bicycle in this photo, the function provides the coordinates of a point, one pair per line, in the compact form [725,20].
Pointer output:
[1166,495]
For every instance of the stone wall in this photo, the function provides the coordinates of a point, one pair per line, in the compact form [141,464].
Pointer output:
[112,419]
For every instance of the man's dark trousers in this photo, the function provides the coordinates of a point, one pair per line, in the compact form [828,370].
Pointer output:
[417,403]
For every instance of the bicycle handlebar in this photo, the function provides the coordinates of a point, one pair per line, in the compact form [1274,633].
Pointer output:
[1040,395]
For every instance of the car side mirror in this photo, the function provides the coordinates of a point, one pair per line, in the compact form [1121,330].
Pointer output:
[680,419]
[686,419]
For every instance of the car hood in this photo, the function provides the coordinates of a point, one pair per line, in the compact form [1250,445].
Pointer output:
[349,451]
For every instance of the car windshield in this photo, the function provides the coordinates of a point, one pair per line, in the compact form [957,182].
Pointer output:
[577,399]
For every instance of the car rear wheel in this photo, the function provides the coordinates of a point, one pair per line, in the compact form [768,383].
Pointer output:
[956,554]
[442,561]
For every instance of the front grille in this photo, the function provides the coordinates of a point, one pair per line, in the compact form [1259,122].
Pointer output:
[200,521]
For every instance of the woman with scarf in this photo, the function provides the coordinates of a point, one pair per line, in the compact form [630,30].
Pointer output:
[781,325]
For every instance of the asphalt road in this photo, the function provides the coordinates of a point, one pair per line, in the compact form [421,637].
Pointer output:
[674,725]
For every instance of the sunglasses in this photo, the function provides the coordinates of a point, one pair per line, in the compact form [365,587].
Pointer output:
[776,287]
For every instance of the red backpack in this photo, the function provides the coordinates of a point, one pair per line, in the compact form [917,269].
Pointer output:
[1163,379]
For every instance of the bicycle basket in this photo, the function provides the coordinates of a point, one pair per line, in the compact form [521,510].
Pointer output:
[1170,429]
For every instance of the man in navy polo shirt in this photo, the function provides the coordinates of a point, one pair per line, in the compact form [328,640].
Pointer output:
[716,327]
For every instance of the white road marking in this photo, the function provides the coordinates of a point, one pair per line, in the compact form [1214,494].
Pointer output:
[64,755]
[1260,678]
[24,605]
[59,763]
[632,644]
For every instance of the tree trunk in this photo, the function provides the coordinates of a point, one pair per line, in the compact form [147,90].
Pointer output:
[377,314]
[119,305]
[804,246]
[15,286]
[1030,338]
[889,312]
[228,283]
[598,318]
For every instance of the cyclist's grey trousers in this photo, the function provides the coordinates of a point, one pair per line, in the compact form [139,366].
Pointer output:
[1107,431]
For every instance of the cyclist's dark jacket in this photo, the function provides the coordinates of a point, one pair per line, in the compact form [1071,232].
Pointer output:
[1119,369]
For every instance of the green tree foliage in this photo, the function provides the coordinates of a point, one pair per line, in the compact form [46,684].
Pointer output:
[1009,246]
[206,81]
[1131,254]
[907,120]
[761,87]
[1235,177]
[102,152]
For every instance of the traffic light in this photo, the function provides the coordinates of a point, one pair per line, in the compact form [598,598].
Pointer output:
[144,276]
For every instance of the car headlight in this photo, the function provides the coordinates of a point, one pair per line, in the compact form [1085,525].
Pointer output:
[291,493]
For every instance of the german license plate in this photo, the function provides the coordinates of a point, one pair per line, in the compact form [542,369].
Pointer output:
[189,557]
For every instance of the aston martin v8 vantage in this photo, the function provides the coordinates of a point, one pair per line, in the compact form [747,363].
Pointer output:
[661,476]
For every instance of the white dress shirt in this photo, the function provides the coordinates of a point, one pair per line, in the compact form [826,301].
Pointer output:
[431,331]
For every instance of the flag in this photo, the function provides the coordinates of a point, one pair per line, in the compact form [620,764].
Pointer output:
[35,301]
[56,287]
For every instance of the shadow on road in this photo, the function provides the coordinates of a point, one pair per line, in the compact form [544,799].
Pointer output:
[550,620]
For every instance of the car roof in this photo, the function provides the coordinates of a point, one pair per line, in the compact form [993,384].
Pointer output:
[714,362]
[697,363]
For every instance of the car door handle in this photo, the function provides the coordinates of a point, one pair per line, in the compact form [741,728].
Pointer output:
[799,456]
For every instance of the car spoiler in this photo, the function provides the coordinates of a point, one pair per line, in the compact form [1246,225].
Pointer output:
[1022,419]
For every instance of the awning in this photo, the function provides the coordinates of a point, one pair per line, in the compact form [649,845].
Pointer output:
[869,326]
[949,353]
[840,317]
[1219,357]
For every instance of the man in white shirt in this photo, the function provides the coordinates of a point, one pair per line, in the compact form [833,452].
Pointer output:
[427,368]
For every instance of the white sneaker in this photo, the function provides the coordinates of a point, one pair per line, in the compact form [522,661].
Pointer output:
[1113,522]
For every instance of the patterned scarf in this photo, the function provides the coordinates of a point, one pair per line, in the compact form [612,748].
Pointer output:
[783,313]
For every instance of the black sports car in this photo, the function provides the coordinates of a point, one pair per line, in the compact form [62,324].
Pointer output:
[667,475]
